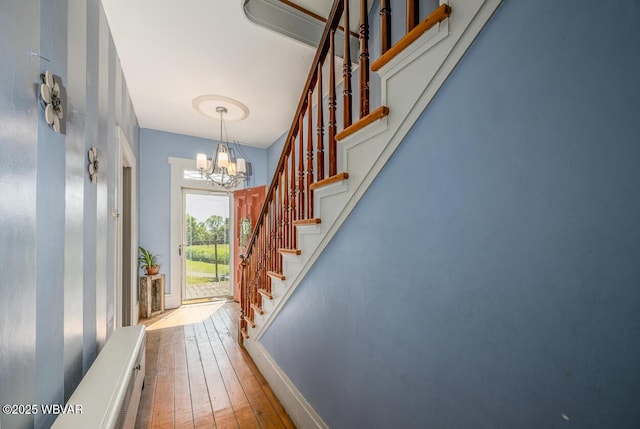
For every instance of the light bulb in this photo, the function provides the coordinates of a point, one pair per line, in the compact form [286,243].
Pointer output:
[201,161]
[242,165]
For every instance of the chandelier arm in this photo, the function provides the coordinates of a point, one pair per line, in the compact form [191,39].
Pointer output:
[223,169]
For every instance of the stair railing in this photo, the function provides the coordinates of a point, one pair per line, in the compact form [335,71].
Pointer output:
[301,167]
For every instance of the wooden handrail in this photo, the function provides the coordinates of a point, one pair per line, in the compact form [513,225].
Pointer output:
[438,15]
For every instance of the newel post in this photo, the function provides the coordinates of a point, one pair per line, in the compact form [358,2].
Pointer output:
[243,298]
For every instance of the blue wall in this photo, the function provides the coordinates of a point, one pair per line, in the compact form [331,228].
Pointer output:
[273,155]
[56,260]
[155,180]
[493,274]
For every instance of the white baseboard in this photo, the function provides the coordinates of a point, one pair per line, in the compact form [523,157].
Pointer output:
[300,411]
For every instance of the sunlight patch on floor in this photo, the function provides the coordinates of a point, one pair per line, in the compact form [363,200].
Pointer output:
[187,315]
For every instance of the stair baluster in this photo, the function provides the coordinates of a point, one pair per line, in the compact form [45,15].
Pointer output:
[320,139]
[281,228]
[385,26]
[333,169]
[292,200]
[364,59]
[301,181]
[346,71]
[412,14]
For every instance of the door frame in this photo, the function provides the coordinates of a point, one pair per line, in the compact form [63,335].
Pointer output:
[173,291]
[126,158]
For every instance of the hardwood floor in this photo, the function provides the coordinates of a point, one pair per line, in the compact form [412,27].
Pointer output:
[197,376]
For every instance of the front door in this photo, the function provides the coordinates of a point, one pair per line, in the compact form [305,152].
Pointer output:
[247,205]
[205,247]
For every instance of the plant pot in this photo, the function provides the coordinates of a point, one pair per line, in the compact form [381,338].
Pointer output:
[153,270]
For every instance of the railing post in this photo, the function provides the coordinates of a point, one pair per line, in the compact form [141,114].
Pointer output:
[333,169]
[385,26]
[364,59]
[281,228]
[292,200]
[285,191]
[320,127]
[412,14]
[309,153]
[301,181]
[346,70]
[274,233]
[243,297]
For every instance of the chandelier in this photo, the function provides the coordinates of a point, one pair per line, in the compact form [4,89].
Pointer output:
[224,169]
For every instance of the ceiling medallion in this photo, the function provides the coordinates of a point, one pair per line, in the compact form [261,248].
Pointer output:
[207,105]
[51,100]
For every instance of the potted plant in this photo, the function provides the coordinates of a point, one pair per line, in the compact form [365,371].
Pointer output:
[148,261]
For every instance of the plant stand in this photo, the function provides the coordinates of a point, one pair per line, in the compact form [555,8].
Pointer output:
[151,295]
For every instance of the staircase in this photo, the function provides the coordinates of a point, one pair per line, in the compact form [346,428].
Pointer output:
[304,207]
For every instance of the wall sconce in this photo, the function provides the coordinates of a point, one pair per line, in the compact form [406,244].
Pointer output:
[93,165]
[51,100]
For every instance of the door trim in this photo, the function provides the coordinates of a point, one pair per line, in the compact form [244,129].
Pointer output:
[126,158]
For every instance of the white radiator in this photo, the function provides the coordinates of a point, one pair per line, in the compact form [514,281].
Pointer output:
[109,393]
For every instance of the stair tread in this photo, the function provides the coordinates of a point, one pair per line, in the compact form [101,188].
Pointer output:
[249,321]
[379,113]
[290,251]
[329,180]
[279,276]
[312,221]
[265,293]
[257,308]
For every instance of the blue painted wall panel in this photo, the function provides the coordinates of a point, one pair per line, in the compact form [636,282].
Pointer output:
[489,277]
[76,165]
[19,116]
[273,155]
[90,192]
[50,224]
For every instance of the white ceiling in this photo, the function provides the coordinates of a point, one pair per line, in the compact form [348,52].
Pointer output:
[172,52]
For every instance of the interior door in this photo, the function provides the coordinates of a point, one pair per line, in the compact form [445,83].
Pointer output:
[247,204]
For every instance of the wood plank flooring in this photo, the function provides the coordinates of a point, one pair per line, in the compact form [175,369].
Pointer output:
[197,376]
